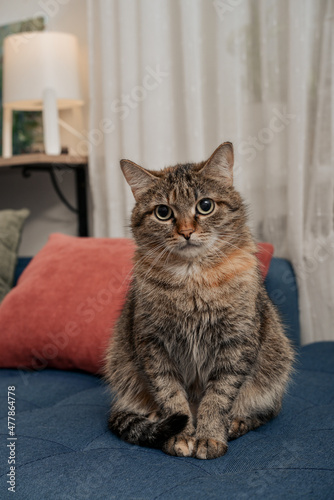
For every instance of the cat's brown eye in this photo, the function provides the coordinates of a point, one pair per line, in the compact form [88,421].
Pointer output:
[205,206]
[163,212]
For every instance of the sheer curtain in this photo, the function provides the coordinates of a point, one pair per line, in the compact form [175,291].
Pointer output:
[172,79]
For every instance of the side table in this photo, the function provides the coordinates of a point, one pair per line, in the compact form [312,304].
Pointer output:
[54,165]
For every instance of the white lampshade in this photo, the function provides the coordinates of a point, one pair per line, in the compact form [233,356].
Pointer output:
[40,72]
[35,61]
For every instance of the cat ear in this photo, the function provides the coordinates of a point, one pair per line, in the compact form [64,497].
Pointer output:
[137,177]
[220,164]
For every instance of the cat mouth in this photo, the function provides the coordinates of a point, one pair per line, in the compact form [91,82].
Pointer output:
[189,244]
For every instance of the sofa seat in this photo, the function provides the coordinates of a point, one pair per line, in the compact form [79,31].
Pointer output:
[65,451]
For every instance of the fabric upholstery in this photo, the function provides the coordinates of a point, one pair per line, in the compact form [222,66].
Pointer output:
[65,450]
[282,289]
[66,301]
[11,224]
[22,263]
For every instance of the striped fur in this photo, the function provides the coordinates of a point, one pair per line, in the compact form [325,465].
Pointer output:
[199,355]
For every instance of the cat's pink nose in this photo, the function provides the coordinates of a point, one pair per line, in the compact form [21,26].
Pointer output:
[186,233]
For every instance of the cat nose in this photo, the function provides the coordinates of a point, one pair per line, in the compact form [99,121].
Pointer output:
[186,233]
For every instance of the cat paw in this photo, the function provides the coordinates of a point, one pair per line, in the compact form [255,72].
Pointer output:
[180,446]
[238,427]
[206,449]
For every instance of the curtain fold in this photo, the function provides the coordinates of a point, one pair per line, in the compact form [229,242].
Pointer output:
[172,79]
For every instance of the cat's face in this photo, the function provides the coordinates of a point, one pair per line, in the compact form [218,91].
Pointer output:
[188,210]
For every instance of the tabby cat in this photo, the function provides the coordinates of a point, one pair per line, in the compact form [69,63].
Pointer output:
[198,356]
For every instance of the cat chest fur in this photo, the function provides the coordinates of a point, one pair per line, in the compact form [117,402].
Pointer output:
[191,310]
[190,323]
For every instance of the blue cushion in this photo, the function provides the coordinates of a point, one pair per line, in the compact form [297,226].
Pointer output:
[22,263]
[64,449]
[282,289]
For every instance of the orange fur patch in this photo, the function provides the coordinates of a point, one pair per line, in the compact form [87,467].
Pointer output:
[238,262]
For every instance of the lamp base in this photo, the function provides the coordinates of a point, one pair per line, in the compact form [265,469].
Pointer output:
[7,133]
[50,123]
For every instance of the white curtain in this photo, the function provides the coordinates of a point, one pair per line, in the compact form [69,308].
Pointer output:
[172,79]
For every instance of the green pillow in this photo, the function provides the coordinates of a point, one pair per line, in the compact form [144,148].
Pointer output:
[11,224]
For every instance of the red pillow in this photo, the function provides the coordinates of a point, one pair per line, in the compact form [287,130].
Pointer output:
[61,312]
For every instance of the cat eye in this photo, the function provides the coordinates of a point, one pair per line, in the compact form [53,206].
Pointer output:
[205,206]
[163,212]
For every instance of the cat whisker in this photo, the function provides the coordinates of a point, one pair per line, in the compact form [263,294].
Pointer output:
[159,256]
[147,256]
[240,248]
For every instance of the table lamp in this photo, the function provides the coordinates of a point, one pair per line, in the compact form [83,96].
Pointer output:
[40,73]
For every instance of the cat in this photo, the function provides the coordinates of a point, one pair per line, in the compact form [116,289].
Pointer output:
[199,355]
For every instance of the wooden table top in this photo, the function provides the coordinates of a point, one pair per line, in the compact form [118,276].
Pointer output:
[41,158]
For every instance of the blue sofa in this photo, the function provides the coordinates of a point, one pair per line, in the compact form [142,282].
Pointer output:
[65,451]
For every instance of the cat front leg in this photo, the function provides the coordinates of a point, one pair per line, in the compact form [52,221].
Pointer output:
[212,422]
[170,395]
[175,402]
[213,413]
